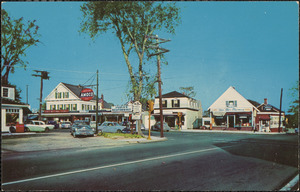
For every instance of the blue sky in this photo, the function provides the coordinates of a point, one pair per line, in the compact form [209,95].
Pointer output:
[252,46]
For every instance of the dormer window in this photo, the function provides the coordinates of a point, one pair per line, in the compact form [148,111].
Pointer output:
[231,104]
[5,92]
[267,107]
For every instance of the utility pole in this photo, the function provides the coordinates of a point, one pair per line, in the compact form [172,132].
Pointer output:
[97,101]
[43,75]
[280,110]
[158,53]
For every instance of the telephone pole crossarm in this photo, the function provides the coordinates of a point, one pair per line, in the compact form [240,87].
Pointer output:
[43,75]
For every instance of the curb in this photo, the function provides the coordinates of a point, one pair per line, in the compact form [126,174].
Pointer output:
[291,184]
[144,140]
[237,132]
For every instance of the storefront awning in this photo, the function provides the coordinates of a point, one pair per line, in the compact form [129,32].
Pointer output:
[218,113]
[238,113]
[173,115]
[264,117]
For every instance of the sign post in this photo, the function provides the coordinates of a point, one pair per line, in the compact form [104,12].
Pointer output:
[179,123]
[150,107]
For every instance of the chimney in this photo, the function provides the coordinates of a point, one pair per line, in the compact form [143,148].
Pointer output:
[266,101]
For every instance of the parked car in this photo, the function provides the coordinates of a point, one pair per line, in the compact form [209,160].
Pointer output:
[81,130]
[156,127]
[128,130]
[51,122]
[81,122]
[37,126]
[296,130]
[111,127]
[66,125]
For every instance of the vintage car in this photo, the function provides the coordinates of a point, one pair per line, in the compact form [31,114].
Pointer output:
[66,125]
[37,126]
[156,127]
[81,130]
[111,127]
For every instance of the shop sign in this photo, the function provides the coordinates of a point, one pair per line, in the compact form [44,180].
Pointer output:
[86,94]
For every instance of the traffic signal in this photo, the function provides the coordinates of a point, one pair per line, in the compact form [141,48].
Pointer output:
[150,105]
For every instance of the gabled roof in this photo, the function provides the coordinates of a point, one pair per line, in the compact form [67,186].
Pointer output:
[76,90]
[262,108]
[173,94]
[254,103]
[231,93]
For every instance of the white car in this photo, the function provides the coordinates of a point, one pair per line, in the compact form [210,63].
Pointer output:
[38,126]
[66,125]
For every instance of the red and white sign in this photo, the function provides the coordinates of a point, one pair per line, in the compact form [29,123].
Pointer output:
[86,94]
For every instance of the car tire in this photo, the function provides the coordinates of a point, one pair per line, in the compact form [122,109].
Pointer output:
[47,129]
[119,131]
[26,129]
[12,129]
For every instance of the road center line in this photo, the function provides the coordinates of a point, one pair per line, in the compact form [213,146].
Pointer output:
[113,165]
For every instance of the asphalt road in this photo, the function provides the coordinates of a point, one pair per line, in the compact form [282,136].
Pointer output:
[186,161]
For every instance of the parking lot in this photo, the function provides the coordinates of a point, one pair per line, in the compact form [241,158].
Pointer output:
[61,139]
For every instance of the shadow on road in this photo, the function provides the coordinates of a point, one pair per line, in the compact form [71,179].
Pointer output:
[285,153]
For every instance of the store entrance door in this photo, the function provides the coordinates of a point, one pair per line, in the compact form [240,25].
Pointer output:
[231,120]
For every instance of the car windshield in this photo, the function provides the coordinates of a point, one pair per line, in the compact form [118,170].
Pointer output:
[66,123]
[83,126]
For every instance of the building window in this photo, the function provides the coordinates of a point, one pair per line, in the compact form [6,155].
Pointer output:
[176,103]
[220,121]
[56,95]
[67,94]
[61,107]
[164,103]
[59,95]
[231,104]
[67,106]
[74,107]
[5,92]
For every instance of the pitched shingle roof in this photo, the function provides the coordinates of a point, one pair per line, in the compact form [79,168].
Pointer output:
[261,107]
[254,103]
[26,110]
[173,94]
[76,89]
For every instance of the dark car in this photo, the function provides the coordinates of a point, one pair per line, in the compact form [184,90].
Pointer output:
[56,125]
[128,130]
[156,127]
